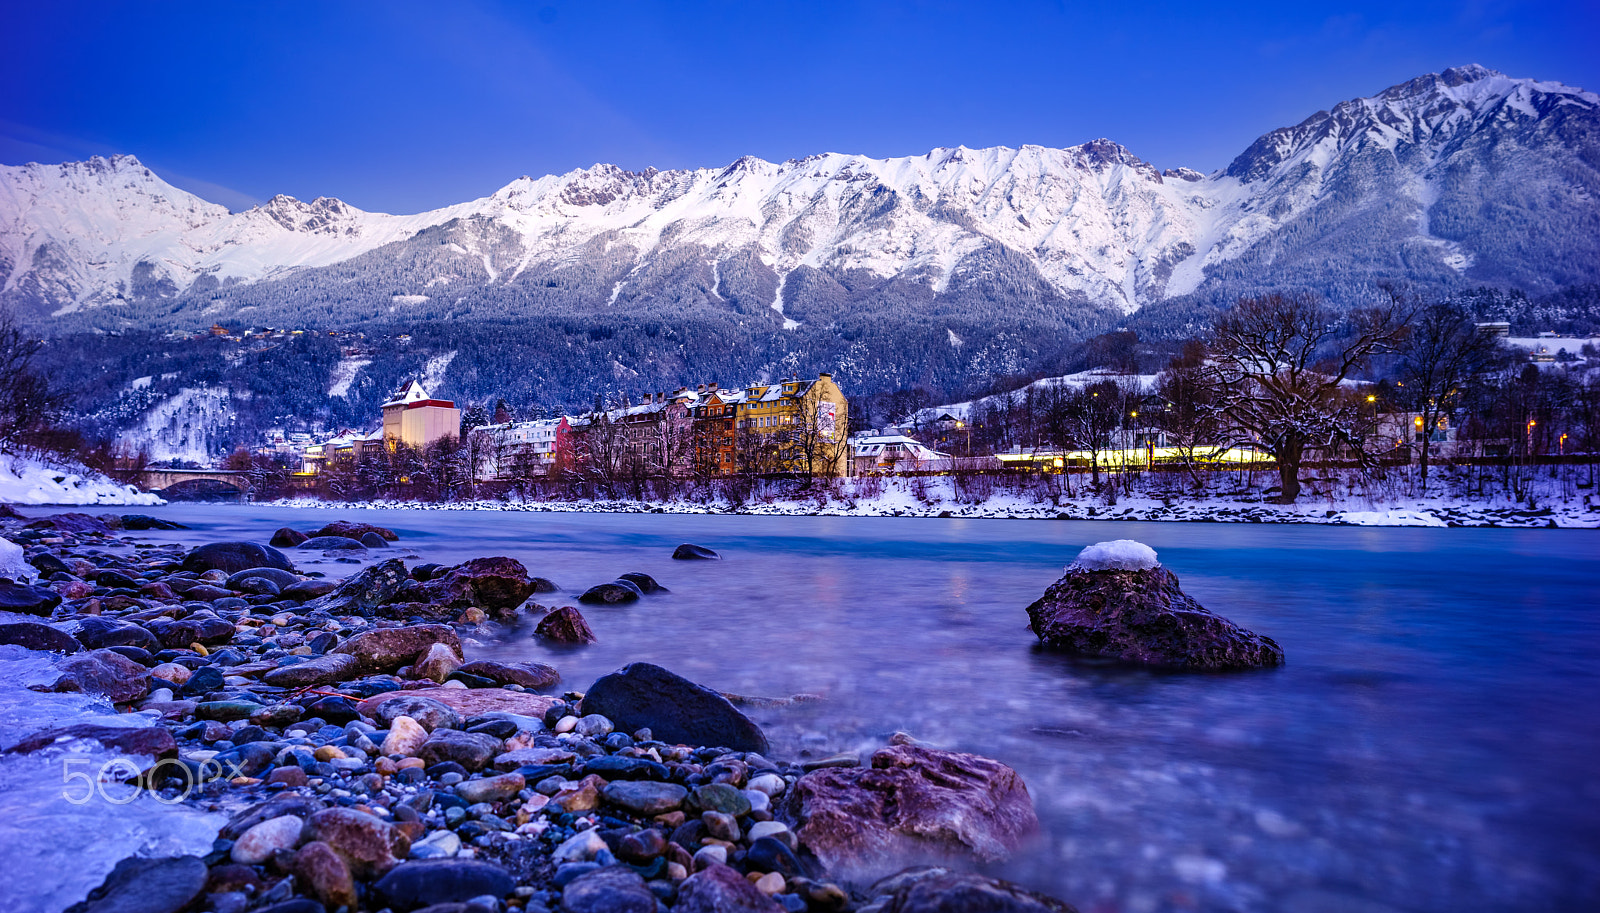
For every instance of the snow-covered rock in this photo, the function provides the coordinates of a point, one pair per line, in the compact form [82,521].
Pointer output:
[1115,555]
[28,481]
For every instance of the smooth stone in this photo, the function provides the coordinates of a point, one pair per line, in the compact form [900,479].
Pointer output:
[139,885]
[232,557]
[387,649]
[369,844]
[491,789]
[565,625]
[472,750]
[674,709]
[644,797]
[426,882]
[613,889]
[580,847]
[688,552]
[259,842]
[324,670]
[321,869]
[405,737]
[533,676]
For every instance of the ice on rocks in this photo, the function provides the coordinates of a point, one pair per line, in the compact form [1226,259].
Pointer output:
[13,566]
[1116,555]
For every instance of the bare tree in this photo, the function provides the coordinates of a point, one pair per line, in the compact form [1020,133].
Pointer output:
[1186,411]
[27,403]
[1444,351]
[1278,366]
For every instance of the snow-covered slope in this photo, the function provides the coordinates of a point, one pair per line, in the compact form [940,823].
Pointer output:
[1425,179]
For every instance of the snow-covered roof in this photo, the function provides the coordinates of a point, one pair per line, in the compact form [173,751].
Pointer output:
[409,392]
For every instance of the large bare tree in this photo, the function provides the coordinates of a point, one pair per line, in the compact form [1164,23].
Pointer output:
[1278,368]
[1444,352]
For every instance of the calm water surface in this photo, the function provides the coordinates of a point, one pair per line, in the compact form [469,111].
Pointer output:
[1432,744]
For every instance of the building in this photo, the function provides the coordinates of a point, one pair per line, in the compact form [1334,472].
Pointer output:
[413,418]
[890,453]
[794,426]
[525,449]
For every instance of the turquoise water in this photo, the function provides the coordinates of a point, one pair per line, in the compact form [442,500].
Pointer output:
[1430,745]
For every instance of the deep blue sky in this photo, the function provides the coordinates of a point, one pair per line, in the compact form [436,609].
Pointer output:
[402,106]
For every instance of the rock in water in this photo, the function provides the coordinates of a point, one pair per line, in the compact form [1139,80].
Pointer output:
[232,557]
[1116,603]
[103,672]
[688,552]
[355,530]
[913,804]
[613,593]
[565,625]
[364,592]
[12,565]
[287,538]
[533,676]
[147,886]
[674,709]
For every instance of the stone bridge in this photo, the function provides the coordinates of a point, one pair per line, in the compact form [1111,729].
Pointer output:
[163,479]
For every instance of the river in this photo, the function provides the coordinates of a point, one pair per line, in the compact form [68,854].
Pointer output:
[1430,745]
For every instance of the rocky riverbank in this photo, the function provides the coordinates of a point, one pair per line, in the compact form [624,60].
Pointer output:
[367,762]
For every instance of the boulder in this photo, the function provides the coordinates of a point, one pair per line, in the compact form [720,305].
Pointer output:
[27,599]
[151,741]
[332,544]
[364,592]
[370,845]
[201,627]
[350,530]
[613,889]
[142,522]
[280,577]
[97,633]
[324,670]
[373,540]
[913,804]
[565,625]
[140,885]
[308,589]
[426,882]
[28,631]
[287,538]
[103,672]
[72,523]
[472,750]
[533,676]
[468,702]
[720,889]
[616,592]
[932,889]
[387,649]
[1118,603]
[497,585]
[674,709]
[422,711]
[436,664]
[232,557]
[646,583]
[44,562]
[687,552]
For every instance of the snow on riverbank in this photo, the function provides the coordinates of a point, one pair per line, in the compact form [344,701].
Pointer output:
[934,498]
[24,480]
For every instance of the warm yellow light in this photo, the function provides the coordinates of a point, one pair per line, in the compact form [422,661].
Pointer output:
[1372,399]
[1134,413]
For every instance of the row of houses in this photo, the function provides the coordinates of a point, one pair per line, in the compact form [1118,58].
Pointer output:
[793,425]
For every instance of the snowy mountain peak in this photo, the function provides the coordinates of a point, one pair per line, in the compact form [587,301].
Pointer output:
[1433,180]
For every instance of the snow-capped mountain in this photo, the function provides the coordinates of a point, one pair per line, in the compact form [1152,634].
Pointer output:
[1462,177]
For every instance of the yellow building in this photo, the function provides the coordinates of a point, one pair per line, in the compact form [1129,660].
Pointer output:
[797,425]
[416,420]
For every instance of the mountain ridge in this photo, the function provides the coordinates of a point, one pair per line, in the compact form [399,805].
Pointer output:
[1420,181]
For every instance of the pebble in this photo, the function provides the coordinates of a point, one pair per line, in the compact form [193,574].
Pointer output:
[580,847]
[255,845]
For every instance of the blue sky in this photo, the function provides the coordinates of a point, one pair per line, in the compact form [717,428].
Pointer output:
[401,106]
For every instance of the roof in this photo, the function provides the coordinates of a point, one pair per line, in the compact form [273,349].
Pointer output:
[409,392]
